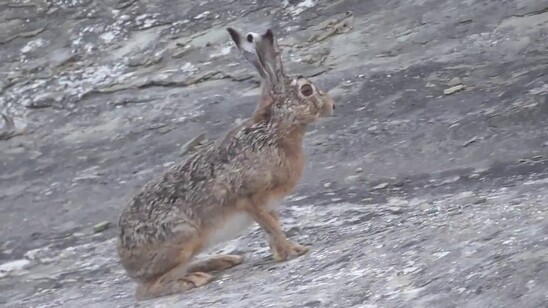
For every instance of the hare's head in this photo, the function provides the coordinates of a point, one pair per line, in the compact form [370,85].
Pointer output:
[293,98]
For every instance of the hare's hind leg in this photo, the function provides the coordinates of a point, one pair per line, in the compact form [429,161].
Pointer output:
[178,279]
[216,263]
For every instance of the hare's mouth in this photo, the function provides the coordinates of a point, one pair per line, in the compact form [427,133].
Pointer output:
[328,112]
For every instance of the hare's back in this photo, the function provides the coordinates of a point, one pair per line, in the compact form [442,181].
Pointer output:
[186,194]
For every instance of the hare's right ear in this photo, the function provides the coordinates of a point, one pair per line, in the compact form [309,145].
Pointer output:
[268,52]
[246,44]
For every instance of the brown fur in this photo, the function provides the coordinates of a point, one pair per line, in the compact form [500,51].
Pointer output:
[174,217]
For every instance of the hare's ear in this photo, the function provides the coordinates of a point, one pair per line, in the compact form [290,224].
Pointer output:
[246,44]
[269,57]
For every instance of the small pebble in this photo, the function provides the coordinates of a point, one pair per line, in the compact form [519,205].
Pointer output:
[102,226]
[454,82]
[381,186]
[480,201]
[395,210]
[452,90]
[472,140]
[450,180]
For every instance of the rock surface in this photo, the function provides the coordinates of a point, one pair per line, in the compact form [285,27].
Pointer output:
[109,91]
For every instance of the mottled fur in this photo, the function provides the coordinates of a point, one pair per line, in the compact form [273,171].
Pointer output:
[175,216]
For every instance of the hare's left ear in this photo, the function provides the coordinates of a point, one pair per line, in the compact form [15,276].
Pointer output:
[246,44]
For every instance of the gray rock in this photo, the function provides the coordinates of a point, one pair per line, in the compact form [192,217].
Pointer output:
[13,267]
[46,100]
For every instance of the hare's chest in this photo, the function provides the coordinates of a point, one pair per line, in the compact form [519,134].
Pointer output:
[230,228]
[291,171]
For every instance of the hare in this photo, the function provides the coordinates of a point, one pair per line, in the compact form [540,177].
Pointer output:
[219,191]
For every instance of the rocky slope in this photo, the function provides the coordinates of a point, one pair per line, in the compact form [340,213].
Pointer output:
[427,189]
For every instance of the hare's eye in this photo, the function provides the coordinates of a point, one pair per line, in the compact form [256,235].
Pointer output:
[250,38]
[306,90]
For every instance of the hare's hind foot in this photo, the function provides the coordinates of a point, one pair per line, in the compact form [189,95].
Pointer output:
[285,250]
[165,287]
[198,275]
[216,263]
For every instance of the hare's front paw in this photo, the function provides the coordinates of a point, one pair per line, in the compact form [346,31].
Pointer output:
[287,250]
